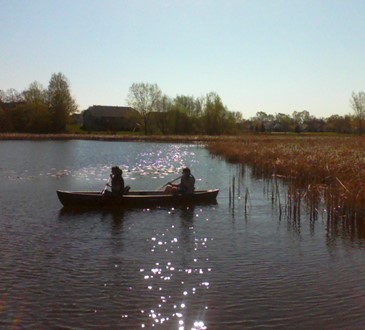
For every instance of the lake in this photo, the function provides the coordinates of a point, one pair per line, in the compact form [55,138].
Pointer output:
[241,263]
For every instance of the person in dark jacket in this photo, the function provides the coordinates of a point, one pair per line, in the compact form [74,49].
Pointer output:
[186,185]
[117,182]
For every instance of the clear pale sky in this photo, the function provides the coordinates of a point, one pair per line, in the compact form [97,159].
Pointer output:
[276,56]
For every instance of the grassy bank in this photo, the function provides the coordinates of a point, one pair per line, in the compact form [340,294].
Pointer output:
[120,136]
[319,168]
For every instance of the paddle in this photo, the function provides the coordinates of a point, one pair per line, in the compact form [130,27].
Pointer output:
[106,187]
[169,183]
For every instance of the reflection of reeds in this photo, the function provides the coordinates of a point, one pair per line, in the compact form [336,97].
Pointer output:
[232,191]
[247,196]
[328,169]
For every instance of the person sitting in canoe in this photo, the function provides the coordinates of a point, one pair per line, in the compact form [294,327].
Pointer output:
[117,182]
[186,185]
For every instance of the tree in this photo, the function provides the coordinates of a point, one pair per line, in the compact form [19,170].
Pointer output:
[19,118]
[339,124]
[190,110]
[215,114]
[232,122]
[35,94]
[10,96]
[183,115]
[61,103]
[282,122]
[39,119]
[263,121]
[36,108]
[3,119]
[162,117]
[144,98]
[357,102]
[186,104]
[300,119]
[315,124]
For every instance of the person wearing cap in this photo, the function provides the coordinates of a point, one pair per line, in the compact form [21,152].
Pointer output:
[186,185]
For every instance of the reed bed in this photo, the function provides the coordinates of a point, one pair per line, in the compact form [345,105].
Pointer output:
[320,170]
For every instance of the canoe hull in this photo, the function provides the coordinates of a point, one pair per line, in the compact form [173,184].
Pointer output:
[133,199]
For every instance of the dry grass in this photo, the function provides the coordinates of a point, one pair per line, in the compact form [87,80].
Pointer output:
[328,168]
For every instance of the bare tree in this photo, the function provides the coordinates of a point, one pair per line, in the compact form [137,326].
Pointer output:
[357,102]
[144,98]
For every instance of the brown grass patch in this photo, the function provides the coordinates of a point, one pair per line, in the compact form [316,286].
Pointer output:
[331,168]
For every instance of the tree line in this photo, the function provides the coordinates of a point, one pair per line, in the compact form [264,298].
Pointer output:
[183,114]
[36,109]
[208,115]
[39,110]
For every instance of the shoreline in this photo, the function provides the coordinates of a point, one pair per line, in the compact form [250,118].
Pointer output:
[107,137]
[163,138]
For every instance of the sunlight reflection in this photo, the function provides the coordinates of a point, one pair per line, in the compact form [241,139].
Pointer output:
[188,282]
[199,325]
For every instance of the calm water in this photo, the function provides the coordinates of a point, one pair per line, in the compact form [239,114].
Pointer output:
[207,267]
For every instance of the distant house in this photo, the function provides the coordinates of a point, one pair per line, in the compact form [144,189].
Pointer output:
[109,118]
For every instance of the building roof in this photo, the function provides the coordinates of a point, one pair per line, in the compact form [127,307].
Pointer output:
[111,111]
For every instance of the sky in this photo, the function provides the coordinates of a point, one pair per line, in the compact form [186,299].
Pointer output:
[276,56]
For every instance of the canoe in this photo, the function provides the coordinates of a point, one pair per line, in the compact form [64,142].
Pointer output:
[136,198]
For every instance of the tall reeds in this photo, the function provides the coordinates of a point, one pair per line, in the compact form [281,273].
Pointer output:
[327,170]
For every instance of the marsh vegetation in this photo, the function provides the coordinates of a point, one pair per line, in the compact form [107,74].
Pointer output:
[328,173]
